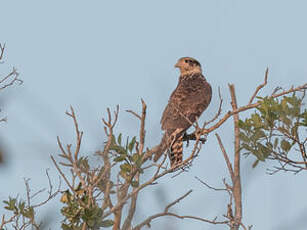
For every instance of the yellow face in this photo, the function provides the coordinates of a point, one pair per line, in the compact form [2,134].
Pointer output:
[188,65]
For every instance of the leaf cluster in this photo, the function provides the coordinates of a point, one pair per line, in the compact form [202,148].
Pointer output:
[274,128]
[21,213]
[77,213]
[128,156]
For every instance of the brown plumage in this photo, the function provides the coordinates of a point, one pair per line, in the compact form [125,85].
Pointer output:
[187,102]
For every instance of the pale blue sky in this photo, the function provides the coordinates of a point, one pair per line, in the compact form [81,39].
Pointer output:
[97,54]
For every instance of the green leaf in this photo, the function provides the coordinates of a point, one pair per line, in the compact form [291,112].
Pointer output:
[107,223]
[135,157]
[11,204]
[21,206]
[135,184]
[241,124]
[138,164]
[294,130]
[113,141]
[119,149]
[243,137]
[256,120]
[255,163]
[247,147]
[66,227]
[131,144]
[124,175]
[263,152]
[29,213]
[119,139]
[257,135]
[285,145]
[120,158]
[125,167]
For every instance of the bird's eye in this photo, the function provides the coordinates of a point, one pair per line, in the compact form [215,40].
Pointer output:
[186,61]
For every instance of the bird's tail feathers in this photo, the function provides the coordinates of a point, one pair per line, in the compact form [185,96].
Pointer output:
[175,154]
[173,143]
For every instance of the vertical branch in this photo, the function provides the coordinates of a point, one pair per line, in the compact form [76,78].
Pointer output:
[123,190]
[131,212]
[142,129]
[2,47]
[237,181]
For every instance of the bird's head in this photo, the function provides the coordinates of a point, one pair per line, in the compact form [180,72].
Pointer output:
[188,65]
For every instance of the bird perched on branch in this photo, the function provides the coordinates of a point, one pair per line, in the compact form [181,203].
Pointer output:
[187,102]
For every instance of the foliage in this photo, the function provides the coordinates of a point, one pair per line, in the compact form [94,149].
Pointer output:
[82,208]
[77,212]
[22,214]
[275,128]
[131,161]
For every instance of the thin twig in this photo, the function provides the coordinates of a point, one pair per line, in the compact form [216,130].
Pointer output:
[2,50]
[260,86]
[218,111]
[210,187]
[228,163]
[167,213]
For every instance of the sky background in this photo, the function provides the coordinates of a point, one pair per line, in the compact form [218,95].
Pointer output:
[97,54]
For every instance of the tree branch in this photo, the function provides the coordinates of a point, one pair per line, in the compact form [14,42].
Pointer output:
[167,213]
[242,109]
[237,181]
[260,86]
[228,163]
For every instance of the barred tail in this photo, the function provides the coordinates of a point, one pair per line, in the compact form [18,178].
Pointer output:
[172,142]
[175,155]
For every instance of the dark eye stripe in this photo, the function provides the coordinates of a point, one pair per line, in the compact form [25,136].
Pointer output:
[192,62]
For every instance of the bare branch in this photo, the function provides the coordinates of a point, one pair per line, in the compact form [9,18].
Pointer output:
[228,163]
[134,113]
[177,201]
[260,86]
[167,213]
[218,111]
[10,79]
[62,174]
[236,169]
[210,187]
[2,51]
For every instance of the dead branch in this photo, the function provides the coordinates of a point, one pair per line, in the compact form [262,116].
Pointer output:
[210,187]
[62,174]
[2,47]
[10,79]
[167,213]
[228,163]
[218,113]
[260,86]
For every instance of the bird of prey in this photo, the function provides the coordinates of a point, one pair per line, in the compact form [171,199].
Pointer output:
[187,102]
